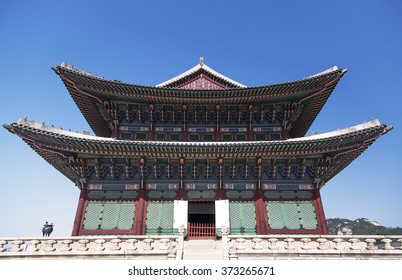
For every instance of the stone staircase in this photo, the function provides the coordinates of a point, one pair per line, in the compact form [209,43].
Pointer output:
[203,250]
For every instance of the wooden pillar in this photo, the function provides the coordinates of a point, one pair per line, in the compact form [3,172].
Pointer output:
[79,213]
[319,210]
[261,215]
[140,214]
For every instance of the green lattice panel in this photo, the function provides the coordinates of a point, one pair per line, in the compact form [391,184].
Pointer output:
[291,215]
[126,217]
[160,218]
[110,215]
[242,215]
[249,218]
[93,216]
[167,216]
[307,214]
[153,215]
[275,216]
[234,215]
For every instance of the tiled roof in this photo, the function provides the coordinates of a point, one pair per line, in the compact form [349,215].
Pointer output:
[56,146]
[89,91]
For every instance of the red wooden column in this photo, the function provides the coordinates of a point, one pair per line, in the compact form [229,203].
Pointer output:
[261,215]
[140,214]
[319,210]
[79,213]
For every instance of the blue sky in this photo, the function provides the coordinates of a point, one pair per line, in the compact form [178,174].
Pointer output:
[147,42]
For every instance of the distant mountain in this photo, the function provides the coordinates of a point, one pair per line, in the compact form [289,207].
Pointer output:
[360,226]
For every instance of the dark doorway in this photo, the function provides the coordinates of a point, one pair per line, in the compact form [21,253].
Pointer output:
[201,220]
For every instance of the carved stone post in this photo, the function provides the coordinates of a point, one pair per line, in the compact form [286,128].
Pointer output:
[371,244]
[338,243]
[115,244]
[49,247]
[33,246]
[66,245]
[355,244]
[273,244]
[131,244]
[99,245]
[257,243]
[2,243]
[83,245]
[322,244]
[290,243]
[387,244]
[240,244]
[16,246]
[306,243]
[148,244]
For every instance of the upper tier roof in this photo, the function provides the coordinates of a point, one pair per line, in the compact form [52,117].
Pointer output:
[57,146]
[90,91]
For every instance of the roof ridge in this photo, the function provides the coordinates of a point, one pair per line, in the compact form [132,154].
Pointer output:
[198,67]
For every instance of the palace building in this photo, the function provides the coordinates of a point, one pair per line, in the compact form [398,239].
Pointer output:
[199,151]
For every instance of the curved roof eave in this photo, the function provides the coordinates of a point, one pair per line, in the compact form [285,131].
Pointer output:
[148,90]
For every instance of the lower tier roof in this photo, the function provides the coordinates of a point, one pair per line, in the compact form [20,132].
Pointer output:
[59,147]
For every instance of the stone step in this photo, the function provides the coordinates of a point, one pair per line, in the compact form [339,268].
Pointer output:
[203,250]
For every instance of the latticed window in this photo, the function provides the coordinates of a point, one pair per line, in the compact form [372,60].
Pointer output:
[242,217]
[140,136]
[291,215]
[160,137]
[193,137]
[260,137]
[109,215]
[175,137]
[125,136]
[159,218]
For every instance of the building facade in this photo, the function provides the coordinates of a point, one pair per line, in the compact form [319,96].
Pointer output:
[200,151]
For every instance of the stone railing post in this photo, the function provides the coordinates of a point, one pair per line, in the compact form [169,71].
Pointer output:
[33,246]
[225,242]
[148,244]
[99,245]
[400,244]
[355,244]
[16,246]
[257,243]
[2,243]
[132,244]
[115,244]
[273,244]
[233,252]
[180,240]
[66,245]
[322,244]
[387,244]
[49,245]
[172,250]
[306,243]
[164,244]
[338,243]
[240,244]
[290,243]
[83,245]
[371,244]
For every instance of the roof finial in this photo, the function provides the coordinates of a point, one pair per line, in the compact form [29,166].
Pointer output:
[201,61]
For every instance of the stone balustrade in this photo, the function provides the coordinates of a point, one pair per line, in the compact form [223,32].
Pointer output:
[85,247]
[312,247]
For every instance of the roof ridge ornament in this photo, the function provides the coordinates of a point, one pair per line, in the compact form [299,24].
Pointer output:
[201,61]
